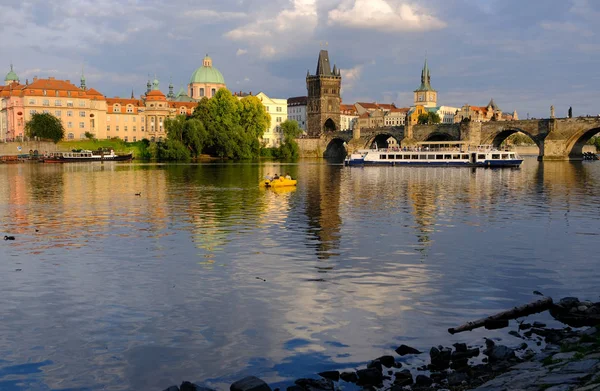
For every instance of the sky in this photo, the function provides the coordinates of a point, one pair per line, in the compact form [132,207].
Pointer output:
[526,54]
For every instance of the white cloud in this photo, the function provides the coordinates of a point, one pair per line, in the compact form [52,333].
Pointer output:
[298,22]
[381,15]
[241,52]
[212,16]
[566,27]
[351,76]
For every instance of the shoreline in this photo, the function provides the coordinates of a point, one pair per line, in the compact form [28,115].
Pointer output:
[569,361]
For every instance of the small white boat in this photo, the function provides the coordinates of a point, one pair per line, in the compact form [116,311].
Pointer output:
[435,154]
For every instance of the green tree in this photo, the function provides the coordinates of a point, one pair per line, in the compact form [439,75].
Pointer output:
[289,149]
[172,150]
[423,119]
[89,135]
[45,126]
[429,118]
[189,132]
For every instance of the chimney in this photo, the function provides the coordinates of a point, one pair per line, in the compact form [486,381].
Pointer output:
[26,82]
[34,79]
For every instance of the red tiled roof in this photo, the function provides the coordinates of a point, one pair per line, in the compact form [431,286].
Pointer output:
[93,92]
[386,106]
[53,84]
[368,105]
[400,110]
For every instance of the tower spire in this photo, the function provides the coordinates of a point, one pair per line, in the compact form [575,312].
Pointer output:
[82,80]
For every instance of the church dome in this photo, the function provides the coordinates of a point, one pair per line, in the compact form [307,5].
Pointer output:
[207,74]
[11,76]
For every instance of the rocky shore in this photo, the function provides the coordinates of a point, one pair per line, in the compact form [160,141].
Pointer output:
[551,359]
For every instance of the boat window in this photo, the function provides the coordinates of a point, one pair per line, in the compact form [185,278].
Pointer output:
[414,157]
[422,157]
[439,157]
[398,156]
[496,156]
[465,156]
[481,156]
[391,157]
[383,157]
[511,155]
[504,156]
[447,156]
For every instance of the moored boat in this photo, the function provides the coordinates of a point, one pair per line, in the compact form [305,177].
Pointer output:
[433,155]
[85,156]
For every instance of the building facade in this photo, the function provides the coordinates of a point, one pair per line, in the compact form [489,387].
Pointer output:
[277,108]
[297,111]
[491,112]
[323,103]
[205,81]
[425,95]
[348,117]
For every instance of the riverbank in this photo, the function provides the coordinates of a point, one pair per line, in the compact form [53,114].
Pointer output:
[562,359]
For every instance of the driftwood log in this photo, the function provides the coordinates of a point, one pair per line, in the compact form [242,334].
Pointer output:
[501,319]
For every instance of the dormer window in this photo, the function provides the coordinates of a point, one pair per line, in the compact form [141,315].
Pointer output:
[45,92]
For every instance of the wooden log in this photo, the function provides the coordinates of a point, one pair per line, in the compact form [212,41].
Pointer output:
[517,312]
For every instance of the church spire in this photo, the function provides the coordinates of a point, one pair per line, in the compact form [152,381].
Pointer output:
[425,78]
[82,80]
[132,95]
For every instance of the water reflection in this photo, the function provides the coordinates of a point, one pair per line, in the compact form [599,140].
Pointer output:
[205,276]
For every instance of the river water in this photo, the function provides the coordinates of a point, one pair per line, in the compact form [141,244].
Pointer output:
[205,277]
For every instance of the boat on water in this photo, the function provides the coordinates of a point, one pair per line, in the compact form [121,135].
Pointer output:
[100,155]
[436,154]
[277,182]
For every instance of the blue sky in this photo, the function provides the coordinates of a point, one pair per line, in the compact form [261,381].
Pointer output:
[526,54]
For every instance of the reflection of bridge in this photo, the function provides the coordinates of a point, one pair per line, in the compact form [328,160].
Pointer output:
[557,139]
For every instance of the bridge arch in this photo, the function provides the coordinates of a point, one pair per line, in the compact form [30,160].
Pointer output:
[382,140]
[329,125]
[337,149]
[497,139]
[576,142]
[441,136]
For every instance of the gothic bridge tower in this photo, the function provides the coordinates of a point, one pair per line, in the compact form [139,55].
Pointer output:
[323,104]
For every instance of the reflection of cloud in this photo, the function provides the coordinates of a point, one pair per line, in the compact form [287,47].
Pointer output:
[380,15]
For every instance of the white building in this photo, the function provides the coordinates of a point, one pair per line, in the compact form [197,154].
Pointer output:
[446,114]
[348,117]
[395,117]
[277,108]
[296,109]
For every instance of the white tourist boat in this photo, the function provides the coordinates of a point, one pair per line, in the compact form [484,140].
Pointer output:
[436,154]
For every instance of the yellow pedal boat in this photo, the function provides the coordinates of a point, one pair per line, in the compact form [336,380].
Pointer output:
[280,182]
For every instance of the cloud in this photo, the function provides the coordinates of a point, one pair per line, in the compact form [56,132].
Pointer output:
[212,16]
[241,52]
[283,31]
[380,15]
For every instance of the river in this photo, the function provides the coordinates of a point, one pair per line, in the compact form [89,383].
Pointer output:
[205,277]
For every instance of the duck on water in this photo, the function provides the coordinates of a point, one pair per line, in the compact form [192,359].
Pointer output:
[438,154]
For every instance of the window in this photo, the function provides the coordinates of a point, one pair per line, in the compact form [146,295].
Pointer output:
[278,109]
[129,109]
[69,113]
[481,156]
[31,101]
[201,91]
[69,103]
[46,111]
[82,113]
[82,135]
[125,119]
[82,125]
[134,128]
[267,108]
[125,138]
[496,156]
[108,128]
[213,92]
[46,102]
[81,103]
[32,112]
[71,136]
[116,109]
[57,102]
[125,128]
[117,128]
[134,119]
[278,119]
[134,139]
[383,157]
[57,113]
[69,124]
[142,128]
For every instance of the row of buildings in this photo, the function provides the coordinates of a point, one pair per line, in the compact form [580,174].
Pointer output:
[84,110]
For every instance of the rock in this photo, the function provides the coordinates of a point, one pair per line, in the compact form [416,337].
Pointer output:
[582,308]
[539,325]
[423,381]
[438,377]
[525,326]
[369,376]
[440,357]
[499,353]
[580,366]
[469,353]
[562,378]
[403,378]
[172,388]
[331,375]
[563,356]
[460,365]
[375,364]
[250,383]
[295,388]
[522,346]
[187,386]
[387,361]
[460,347]
[403,350]
[315,385]
[515,334]
[456,378]
[349,377]
[397,364]
[568,302]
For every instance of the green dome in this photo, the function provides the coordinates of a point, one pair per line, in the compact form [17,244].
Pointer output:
[207,74]
[11,76]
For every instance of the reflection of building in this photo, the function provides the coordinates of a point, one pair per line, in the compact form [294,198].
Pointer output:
[323,104]
[297,111]
[278,109]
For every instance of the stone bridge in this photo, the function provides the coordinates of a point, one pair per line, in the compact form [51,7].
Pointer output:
[557,138]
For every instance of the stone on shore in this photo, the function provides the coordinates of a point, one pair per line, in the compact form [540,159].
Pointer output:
[250,383]
[172,388]
[331,375]
[403,378]
[403,350]
[349,377]
[387,361]
[369,376]
[315,385]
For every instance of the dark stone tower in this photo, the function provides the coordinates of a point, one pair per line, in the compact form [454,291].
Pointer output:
[323,104]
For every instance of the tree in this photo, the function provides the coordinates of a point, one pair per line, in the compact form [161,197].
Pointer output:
[428,118]
[45,126]
[289,149]
[89,135]
[189,132]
